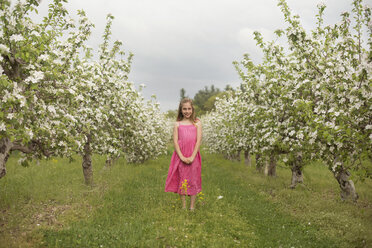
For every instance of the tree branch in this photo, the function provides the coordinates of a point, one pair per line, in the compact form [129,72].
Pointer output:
[21,148]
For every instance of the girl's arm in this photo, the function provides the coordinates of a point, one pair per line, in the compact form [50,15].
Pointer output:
[198,140]
[175,142]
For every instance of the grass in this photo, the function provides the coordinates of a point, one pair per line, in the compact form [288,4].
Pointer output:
[48,205]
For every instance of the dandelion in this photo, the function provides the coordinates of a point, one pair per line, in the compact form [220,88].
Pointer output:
[184,187]
[201,195]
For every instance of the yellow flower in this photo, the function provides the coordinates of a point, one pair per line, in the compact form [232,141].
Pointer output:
[184,187]
[201,196]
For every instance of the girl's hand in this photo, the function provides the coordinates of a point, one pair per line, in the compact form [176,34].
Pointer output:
[190,160]
[184,159]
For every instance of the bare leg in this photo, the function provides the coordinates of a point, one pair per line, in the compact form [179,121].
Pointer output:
[192,202]
[183,199]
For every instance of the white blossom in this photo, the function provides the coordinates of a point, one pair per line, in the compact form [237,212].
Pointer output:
[2,126]
[35,77]
[52,109]
[58,61]
[44,57]
[10,116]
[30,134]
[16,37]
[35,33]
[4,49]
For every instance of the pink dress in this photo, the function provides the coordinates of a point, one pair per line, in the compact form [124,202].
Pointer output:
[179,171]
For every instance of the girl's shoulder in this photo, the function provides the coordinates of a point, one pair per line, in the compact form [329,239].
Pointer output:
[197,121]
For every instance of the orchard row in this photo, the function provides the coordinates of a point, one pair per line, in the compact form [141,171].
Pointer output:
[309,99]
[57,100]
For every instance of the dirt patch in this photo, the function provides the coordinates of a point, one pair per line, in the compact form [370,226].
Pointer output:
[49,214]
[19,228]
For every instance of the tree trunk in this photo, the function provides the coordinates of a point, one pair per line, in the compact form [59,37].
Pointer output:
[346,185]
[259,163]
[271,169]
[297,176]
[237,156]
[5,148]
[110,160]
[232,156]
[226,156]
[247,158]
[87,162]
[266,167]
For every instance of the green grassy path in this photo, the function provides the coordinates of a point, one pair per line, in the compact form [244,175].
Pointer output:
[127,207]
[137,213]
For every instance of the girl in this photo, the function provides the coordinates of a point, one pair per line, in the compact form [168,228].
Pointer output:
[184,175]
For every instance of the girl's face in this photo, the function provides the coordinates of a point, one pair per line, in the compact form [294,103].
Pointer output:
[186,110]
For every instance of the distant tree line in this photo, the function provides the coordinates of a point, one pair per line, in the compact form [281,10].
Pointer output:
[203,100]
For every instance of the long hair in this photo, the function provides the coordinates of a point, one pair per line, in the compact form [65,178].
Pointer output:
[180,115]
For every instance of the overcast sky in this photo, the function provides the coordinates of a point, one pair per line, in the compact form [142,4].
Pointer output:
[192,43]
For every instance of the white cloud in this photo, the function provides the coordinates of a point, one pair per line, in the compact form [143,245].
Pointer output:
[192,43]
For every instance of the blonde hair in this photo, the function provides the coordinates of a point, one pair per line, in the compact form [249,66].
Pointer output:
[180,115]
